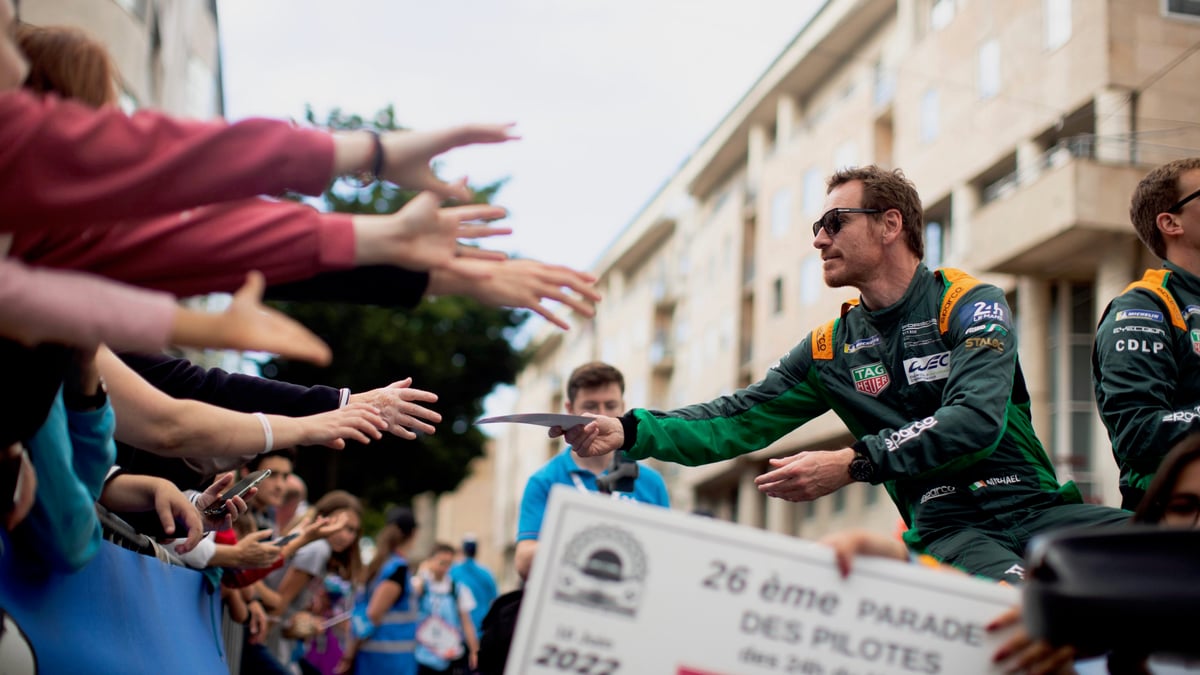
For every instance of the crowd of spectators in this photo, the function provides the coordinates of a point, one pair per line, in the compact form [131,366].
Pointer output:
[107,218]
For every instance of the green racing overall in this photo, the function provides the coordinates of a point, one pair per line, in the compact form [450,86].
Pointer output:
[932,390]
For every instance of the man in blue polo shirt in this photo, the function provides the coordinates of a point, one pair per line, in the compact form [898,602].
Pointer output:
[599,389]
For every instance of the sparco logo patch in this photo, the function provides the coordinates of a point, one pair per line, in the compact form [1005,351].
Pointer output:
[927,368]
[939,491]
[871,379]
[906,434]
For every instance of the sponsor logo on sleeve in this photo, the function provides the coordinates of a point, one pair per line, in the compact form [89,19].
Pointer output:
[927,368]
[1142,329]
[985,342]
[1182,416]
[988,328]
[871,379]
[905,434]
[852,347]
[1142,314]
[1195,336]
[1191,309]
[1139,346]
[988,311]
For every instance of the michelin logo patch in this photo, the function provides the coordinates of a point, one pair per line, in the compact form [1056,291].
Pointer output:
[860,344]
[1144,314]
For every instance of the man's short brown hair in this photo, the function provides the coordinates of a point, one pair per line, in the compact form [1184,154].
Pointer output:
[592,375]
[886,190]
[1156,193]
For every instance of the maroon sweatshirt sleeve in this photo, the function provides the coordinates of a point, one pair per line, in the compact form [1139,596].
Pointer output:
[200,250]
[64,162]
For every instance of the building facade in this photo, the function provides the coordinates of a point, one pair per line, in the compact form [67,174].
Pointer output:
[1025,125]
[167,52]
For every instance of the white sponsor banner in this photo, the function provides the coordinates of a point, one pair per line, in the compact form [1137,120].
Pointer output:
[629,589]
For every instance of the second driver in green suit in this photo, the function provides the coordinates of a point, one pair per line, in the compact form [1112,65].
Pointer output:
[922,370]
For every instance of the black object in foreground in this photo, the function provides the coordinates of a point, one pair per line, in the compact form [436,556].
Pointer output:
[1129,588]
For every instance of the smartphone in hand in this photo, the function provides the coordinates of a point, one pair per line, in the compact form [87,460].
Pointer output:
[239,489]
[283,541]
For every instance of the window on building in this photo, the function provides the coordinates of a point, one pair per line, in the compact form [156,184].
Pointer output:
[935,249]
[814,192]
[134,7]
[1185,8]
[781,211]
[1057,23]
[811,282]
[1072,404]
[846,155]
[930,122]
[201,90]
[126,100]
[941,13]
[989,69]
[937,232]
[777,296]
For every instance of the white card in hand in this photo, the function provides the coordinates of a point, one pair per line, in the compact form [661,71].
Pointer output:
[540,419]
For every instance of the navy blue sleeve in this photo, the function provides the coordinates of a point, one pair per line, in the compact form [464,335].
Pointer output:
[382,285]
[181,378]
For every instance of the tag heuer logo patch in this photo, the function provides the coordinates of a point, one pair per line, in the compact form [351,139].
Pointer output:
[871,379]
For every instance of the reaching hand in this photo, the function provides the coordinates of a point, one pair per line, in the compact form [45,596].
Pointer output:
[807,475]
[253,550]
[234,508]
[400,413]
[409,153]
[421,236]
[850,544]
[599,437]
[258,622]
[356,421]
[171,506]
[248,325]
[519,283]
[1022,654]
[322,528]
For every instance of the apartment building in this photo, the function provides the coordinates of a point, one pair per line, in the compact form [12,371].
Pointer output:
[166,51]
[1024,123]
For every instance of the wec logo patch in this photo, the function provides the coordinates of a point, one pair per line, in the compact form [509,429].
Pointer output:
[927,368]
[871,379]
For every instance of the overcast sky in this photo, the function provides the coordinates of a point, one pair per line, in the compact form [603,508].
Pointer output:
[610,96]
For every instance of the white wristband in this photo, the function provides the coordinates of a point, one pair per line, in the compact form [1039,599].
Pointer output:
[270,435]
[343,397]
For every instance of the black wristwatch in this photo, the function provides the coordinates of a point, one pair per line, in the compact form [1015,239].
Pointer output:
[80,402]
[861,468]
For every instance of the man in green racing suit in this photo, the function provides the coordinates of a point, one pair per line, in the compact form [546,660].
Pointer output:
[1146,361]
[922,370]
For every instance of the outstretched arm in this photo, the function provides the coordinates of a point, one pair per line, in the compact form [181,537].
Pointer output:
[519,283]
[149,419]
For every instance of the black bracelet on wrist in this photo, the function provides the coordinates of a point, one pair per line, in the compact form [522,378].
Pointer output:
[377,165]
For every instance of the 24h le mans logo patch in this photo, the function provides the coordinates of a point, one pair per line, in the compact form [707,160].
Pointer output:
[871,379]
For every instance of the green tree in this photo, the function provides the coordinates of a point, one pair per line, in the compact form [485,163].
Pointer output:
[452,346]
